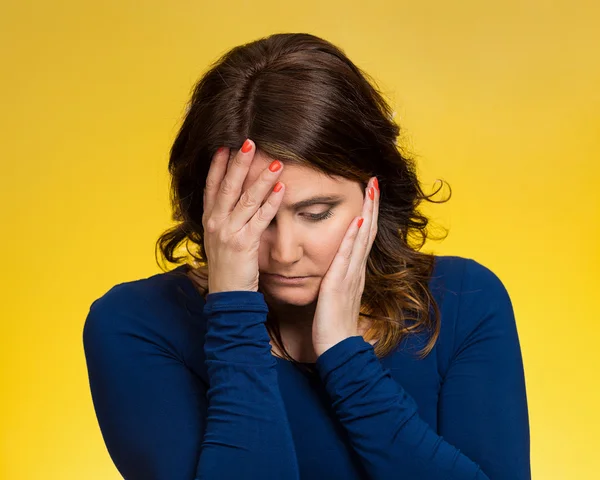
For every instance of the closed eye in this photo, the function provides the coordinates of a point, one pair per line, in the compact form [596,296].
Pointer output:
[312,217]
[318,217]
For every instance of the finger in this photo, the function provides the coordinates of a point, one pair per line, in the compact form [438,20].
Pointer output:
[253,197]
[265,214]
[361,246]
[375,218]
[229,191]
[339,266]
[216,172]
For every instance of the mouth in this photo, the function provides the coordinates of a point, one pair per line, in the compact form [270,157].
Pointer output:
[282,279]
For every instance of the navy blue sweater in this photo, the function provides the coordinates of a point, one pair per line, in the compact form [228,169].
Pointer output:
[188,389]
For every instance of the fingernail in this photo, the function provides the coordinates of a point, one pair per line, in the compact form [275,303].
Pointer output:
[277,187]
[275,165]
[376,183]
[371,193]
[360,222]
[247,146]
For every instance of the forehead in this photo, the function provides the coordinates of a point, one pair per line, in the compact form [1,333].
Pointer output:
[300,182]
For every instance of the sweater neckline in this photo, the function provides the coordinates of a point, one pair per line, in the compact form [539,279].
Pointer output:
[198,300]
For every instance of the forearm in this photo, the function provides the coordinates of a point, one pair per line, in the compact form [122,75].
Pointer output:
[247,431]
[382,419]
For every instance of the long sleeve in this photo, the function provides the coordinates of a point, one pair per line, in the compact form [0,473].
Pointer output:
[158,419]
[247,432]
[483,419]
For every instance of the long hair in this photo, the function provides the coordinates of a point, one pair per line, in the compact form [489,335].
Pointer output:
[301,100]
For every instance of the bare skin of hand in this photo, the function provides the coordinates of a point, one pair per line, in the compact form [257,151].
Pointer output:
[338,306]
[234,221]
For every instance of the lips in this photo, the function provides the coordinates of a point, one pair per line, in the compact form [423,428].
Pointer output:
[285,276]
[281,279]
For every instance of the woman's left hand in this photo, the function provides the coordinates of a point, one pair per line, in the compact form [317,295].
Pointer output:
[338,306]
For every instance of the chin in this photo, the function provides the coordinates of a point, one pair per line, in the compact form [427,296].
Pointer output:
[298,296]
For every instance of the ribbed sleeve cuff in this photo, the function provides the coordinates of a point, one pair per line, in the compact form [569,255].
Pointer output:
[342,353]
[235,301]
[236,331]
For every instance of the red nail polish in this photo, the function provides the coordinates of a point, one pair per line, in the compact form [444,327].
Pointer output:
[360,222]
[371,193]
[247,146]
[275,165]
[278,186]
[376,183]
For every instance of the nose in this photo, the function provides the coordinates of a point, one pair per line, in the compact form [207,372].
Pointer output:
[285,248]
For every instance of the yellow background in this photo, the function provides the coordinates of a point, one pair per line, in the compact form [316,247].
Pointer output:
[501,99]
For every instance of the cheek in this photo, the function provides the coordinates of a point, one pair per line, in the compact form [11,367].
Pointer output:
[321,244]
[334,236]
[327,242]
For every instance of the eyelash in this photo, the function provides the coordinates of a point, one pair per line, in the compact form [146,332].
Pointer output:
[322,216]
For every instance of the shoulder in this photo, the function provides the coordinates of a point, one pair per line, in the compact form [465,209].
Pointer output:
[140,296]
[468,278]
[473,301]
[153,308]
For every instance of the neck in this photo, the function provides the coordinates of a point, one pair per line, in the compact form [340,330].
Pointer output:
[292,316]
[295,326]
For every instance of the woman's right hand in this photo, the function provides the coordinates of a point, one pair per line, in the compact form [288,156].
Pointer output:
[233,221]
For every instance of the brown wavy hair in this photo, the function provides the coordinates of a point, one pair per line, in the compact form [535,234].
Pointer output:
[301,100]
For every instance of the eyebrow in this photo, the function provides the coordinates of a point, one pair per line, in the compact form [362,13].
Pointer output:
[329,199]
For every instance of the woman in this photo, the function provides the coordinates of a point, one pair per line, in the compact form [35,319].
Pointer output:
[379,362]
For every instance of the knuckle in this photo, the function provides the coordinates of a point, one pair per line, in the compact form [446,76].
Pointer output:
[246,200]
[211,225]
[223,238]
[237,161]
[211,184]
[271,203]
[227,187]
[266,177]
[261,215]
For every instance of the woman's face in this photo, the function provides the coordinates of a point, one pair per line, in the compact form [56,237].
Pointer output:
[302,240]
